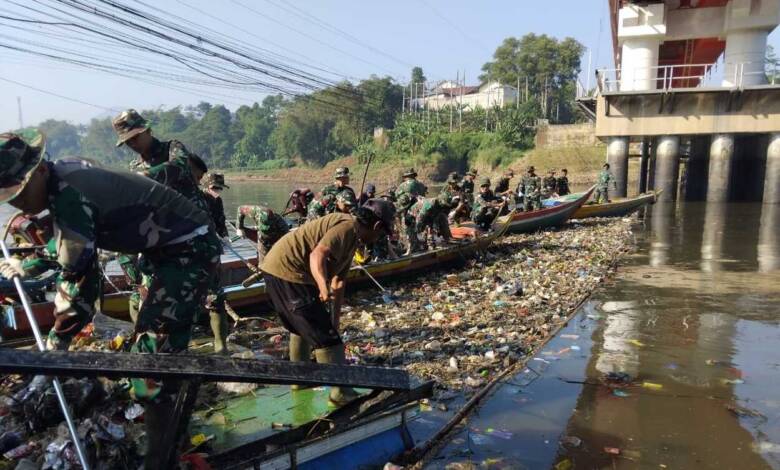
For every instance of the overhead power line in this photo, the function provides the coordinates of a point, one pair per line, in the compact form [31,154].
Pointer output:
[68,98]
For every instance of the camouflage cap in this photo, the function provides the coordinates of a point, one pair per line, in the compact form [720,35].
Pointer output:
[472,172]
[216,180]
[20,154]
[409,172]
[484,181]
[452,178]
[531,169]
[342,171]
[345,197]
[128,125]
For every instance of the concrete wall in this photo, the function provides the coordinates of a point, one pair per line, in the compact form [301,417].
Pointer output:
[696,112]
[568,135]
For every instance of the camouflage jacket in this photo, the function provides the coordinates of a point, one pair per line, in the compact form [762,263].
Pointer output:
[531,186]
[116,211]
[482,201]
[268,225]
[169,165]
[445,198]
[424,209]
[503,185]
[217,211]
[319,207]
[467,186]
[604,178]
[407,192]
[333,190]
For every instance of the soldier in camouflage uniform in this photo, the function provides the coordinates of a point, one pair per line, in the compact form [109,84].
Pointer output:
[502,187]
[531,187]
[319,207]
[268,227]
[467,185]
[563,183]
[406,195]
[602,185]
[423,212]
[168,163]
[450,201]
[486,205]
[339,186]
[550,184]
[95,208]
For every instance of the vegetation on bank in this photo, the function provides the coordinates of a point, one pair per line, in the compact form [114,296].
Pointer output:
[339,120]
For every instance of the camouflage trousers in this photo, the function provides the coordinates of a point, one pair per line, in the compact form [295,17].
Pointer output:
[410,239]
[601,195]
[532,203]
[174,288]
[76,308]
[486,217]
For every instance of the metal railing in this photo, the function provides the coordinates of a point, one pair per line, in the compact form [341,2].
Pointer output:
[669,77]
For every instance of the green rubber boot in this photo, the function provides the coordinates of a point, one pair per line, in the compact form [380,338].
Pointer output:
[219,327]
[335,355]
[300,351]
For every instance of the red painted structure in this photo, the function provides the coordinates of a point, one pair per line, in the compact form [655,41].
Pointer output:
[691,51]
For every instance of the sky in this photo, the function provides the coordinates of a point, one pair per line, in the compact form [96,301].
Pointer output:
[353,39]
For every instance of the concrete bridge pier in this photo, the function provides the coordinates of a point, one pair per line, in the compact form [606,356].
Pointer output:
[644,159]
[667,166]
[617,157]
[772,173]
[696,169]
[721,160]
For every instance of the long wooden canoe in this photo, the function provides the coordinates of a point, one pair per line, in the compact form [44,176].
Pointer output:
[617,207]
[115,305]
[545,217]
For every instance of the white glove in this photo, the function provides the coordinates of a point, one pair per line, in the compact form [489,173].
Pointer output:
[11,267]
[240,232]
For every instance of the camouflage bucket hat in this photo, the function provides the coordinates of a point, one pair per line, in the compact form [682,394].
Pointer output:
[128,125]
[484,181]
[409,172]
[346,198]
[19,156]
[342,172]
[217,180]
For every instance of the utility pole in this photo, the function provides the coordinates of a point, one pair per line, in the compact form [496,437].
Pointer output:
[517,93]
[403,99]
[460,105]
[450,101]
[587,86]
[19,105]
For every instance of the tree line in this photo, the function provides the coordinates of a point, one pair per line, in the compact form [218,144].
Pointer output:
[340,120]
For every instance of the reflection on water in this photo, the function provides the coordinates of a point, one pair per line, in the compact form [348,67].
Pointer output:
[693,320]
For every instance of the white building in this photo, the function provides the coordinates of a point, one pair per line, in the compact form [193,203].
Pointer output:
[448,93]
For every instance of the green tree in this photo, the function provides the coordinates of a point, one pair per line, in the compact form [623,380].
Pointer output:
[549,65]
[772,65]
[417,75]
[62,138]
[99,144]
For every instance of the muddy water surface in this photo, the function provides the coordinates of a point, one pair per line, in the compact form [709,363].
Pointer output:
[691,323]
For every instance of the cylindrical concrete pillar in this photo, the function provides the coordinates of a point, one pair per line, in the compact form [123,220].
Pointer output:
[661,223]
[744,57]
[769,239]
[772,174]
[644,158]
[638,64]
[617,157]
[667,167]
[696,172]
[712,236]
[721,159]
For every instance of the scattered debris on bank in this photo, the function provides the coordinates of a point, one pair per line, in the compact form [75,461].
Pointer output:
[459,327]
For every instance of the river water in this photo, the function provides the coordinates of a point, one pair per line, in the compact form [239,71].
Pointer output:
[693,320]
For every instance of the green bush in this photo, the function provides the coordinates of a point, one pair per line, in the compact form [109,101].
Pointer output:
[496,155]
[276,164]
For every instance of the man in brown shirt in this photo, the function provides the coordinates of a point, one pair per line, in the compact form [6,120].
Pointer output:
[305,273]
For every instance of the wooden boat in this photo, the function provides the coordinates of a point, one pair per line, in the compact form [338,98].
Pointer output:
[115,305]
[545,217]
[617,207]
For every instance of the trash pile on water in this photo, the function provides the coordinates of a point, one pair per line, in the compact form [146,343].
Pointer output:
[461,327]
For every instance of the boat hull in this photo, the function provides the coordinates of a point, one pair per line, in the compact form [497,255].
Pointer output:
[523,222]
[619,208]
[115,305]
